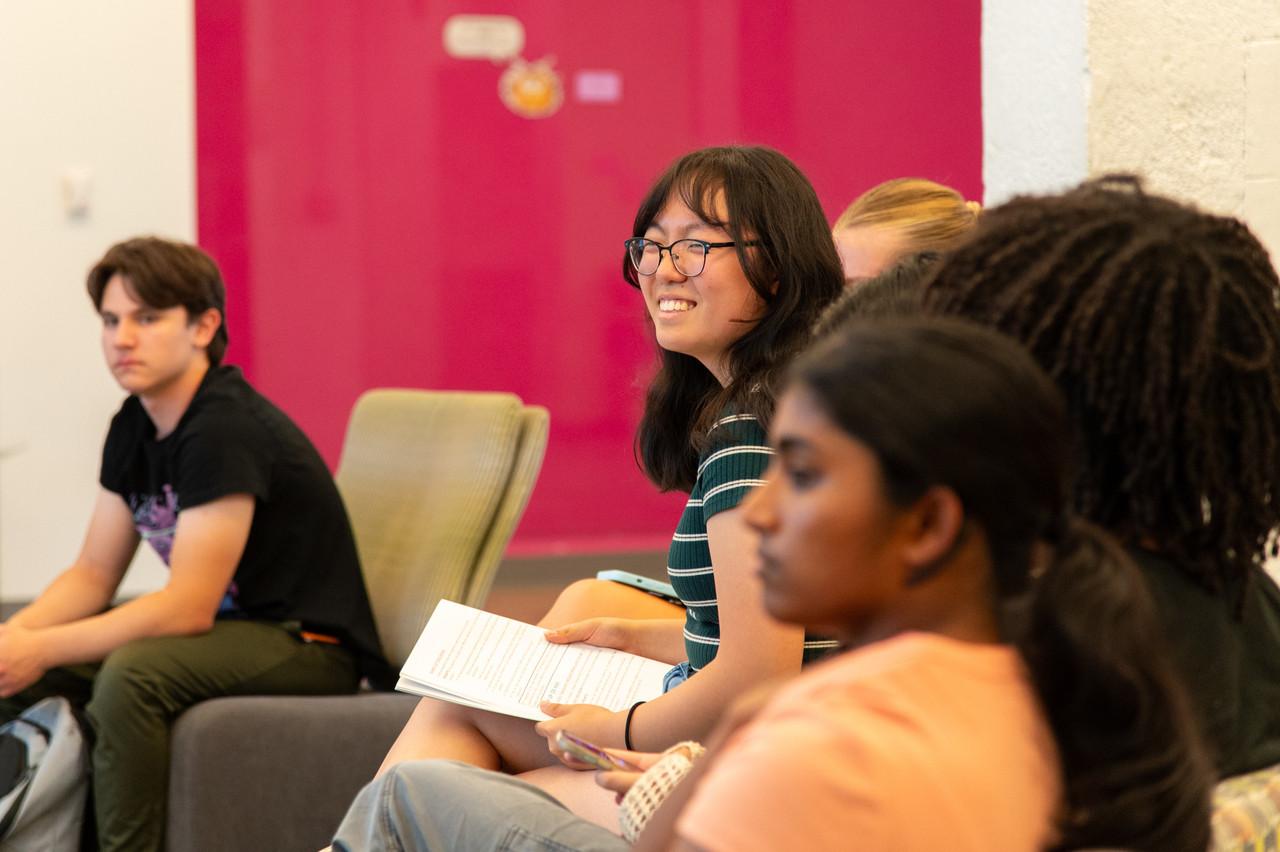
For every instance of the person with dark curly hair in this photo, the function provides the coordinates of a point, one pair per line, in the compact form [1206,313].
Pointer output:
[1159,322]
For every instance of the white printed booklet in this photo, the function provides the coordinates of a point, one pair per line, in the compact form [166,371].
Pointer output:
[478,659]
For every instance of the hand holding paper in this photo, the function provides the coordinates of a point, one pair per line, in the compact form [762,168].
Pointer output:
[482,660]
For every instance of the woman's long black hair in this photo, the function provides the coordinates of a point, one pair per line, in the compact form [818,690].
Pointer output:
[944,402]
[793,267]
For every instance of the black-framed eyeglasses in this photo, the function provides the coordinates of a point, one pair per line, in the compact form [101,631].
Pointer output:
[689,256]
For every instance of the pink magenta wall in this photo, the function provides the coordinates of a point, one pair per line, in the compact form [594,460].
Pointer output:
[384,220]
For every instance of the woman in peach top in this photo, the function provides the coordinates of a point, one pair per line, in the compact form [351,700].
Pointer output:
[1005,684]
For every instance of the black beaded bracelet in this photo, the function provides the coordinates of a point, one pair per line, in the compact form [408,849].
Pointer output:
[626,729]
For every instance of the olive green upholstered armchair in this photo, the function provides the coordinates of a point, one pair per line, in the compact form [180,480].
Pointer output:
[435,484]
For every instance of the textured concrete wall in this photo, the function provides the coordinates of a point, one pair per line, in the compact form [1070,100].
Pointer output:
[1261,206]
[1187,92]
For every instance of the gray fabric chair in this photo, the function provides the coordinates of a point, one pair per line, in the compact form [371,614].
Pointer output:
[435,484]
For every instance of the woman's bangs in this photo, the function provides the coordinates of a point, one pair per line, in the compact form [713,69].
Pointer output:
[699,191]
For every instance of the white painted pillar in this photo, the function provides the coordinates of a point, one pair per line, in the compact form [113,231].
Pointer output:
[1035,96]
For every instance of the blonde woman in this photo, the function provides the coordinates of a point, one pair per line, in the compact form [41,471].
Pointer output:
[900,217]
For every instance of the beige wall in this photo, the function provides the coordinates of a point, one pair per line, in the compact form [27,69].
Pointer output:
[1188,94]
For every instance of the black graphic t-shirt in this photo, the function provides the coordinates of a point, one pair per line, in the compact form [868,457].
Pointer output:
[299,563]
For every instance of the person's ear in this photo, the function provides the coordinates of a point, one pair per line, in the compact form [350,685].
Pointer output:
[935,528]
[206,325]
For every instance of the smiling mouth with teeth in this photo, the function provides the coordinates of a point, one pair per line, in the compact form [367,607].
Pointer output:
[674,305]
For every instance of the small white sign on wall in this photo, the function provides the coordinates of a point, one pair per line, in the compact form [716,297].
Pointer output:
[597,86]
[494,37]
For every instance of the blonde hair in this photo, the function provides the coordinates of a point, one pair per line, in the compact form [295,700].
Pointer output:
[930,216]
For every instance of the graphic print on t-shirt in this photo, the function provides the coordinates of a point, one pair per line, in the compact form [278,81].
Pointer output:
[155,517]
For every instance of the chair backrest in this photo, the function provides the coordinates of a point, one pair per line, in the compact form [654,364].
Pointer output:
[535,425]
[435,483]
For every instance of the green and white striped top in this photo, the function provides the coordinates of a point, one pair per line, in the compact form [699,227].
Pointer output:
[733,464]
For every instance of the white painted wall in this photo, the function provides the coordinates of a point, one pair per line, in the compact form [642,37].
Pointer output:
[107,87]
[1035,96]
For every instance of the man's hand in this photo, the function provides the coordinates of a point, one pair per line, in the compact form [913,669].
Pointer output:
[206,550]
[21,660]
[589,721]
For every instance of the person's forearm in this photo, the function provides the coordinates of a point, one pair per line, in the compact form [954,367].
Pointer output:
[660,639]
[659,834]
[161,613]
[75,594]
[690,711]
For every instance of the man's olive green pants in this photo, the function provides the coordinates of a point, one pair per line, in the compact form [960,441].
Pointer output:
[133,697]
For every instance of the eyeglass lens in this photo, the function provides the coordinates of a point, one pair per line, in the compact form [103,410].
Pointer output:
[688,256]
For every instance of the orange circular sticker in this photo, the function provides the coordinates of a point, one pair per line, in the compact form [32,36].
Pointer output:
[531,89]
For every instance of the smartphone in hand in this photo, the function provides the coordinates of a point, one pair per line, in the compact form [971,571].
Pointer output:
[591,753]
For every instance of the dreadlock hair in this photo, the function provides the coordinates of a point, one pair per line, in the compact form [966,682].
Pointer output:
[944,402]
[896,292]
[791,264]
[1160,325]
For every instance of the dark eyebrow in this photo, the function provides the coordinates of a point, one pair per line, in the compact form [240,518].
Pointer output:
[792,444]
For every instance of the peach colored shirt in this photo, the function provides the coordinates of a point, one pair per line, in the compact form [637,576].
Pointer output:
[918,742]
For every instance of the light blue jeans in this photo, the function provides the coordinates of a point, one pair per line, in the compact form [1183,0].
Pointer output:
[440,805]
[678,674]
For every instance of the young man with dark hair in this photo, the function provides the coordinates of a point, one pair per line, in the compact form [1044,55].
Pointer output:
[264,592]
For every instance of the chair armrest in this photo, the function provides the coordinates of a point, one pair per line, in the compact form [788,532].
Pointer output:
[275,772]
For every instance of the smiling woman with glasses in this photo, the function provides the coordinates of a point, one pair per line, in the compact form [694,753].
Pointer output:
[731,253]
